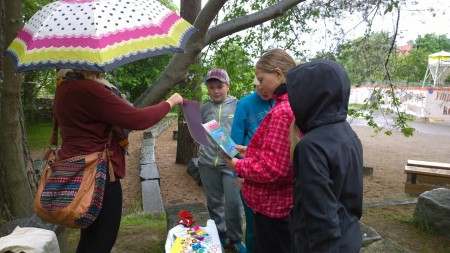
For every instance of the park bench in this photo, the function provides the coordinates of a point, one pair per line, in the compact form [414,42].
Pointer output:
[424,176]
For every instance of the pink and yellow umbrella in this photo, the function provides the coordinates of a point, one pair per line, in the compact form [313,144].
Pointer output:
[98,35]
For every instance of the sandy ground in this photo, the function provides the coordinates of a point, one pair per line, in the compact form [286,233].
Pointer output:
[177,186]
[387,155]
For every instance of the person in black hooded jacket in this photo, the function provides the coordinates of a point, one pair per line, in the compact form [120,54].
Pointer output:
[328,161]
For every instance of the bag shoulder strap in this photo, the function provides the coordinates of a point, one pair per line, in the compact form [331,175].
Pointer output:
[51,152]
[112,177]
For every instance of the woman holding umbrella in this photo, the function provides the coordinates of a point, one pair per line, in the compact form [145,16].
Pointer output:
[86,111]
[62,35]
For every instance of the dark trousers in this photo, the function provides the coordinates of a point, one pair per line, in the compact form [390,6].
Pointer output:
[271,234]
[101,235]
[249,236]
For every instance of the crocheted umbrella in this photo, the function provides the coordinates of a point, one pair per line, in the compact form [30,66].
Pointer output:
[98,35]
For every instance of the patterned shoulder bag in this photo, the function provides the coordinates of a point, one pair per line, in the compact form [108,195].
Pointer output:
[70,192]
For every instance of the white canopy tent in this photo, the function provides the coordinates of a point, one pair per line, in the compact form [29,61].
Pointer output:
[438,68]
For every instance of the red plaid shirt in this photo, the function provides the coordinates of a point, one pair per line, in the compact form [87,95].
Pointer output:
[267,168]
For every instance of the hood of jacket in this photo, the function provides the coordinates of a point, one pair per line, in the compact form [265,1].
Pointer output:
[318,93]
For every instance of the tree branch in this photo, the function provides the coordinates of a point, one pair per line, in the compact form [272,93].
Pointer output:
[251,20]
[177,69]
[181,62]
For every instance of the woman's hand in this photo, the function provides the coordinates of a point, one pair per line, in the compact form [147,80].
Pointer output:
[175,99]
[242,150]
[231,162]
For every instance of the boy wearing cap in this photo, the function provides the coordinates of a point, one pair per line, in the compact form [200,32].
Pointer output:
[222,194]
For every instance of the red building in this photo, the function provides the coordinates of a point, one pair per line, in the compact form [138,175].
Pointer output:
[404,50]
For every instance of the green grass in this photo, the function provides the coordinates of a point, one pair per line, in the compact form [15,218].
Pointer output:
[39,134]
[149,220]
[139,233]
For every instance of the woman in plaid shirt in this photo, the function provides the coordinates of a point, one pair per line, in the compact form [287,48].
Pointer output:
[266,167]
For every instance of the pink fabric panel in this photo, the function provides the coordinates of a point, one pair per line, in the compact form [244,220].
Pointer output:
[107,40]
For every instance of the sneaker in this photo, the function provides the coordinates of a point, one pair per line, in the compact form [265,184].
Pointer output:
[239,247]
[224,241]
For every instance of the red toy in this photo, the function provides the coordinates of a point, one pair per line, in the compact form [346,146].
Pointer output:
[186,218]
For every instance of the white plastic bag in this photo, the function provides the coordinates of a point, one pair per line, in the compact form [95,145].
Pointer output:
[180,231]
[30,240]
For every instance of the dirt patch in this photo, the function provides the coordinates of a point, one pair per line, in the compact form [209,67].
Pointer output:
[131,184]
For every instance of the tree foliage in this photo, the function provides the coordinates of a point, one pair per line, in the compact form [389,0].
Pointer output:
[231,56]
[34,82]
[409,70]
[431,43]
[133,79]
[364,57]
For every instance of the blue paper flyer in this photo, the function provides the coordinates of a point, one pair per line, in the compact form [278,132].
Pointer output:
[221,137]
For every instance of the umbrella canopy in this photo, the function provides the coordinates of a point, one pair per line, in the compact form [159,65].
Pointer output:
[97,35]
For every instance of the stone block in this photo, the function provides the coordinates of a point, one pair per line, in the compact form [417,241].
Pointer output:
[156,130]
[384,246]
[367,171]
[148,151]
[198,211]
[369,235]
[151,196]
[149,171]
[148,134]
[149,143]
[433,209]
[390,203]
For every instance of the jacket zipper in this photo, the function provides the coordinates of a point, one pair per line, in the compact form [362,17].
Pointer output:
[217,147]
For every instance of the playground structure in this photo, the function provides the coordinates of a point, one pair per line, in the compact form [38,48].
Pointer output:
[438,69]
[421,102]
[431,101]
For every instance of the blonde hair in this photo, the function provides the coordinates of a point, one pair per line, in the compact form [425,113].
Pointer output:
[90,74]
[275,58]
[294,135]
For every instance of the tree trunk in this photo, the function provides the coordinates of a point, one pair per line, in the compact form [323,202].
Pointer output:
[187,148]
[4,212]
[17,178]
[28,98]
[2,40]
[189,10]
